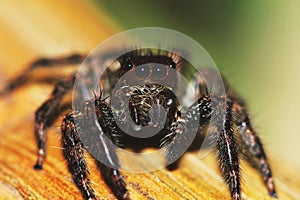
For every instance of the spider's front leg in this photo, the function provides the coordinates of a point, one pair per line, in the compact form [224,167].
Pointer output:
[227,149]
[97,133]
[203,111]
[180,134]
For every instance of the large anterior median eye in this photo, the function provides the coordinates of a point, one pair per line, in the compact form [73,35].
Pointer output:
[159,71]
[142,71]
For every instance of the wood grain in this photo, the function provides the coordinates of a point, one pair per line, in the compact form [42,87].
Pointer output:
[51,28]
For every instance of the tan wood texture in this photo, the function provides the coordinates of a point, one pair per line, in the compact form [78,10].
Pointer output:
[51,28]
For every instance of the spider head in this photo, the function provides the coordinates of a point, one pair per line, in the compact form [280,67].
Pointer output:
[144,89]
[147,66]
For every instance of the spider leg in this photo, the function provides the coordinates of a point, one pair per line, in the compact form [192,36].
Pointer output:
[254,147]
[175,136]
[110,174]
[40,63]
[227,150]
[74,153]
[226,147]
[114,180]
[180,137]
[97,134]
[46,112]
[109,137]
[197,117]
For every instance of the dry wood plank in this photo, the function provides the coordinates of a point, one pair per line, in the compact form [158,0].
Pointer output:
[29,30]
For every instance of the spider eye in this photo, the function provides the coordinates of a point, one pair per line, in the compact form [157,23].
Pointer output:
[129,64]
[172,65]
[142,71]
[159,71]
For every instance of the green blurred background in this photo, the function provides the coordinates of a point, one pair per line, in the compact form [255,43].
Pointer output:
[255,44]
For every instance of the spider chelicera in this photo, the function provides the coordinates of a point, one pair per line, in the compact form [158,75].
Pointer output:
[147,68]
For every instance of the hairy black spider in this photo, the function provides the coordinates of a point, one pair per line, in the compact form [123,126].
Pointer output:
[145,93]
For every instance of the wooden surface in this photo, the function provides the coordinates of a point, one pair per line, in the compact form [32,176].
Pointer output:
[29,30]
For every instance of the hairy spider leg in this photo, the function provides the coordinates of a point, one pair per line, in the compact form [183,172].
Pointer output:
[73,150]
[113,134]
[227,151]
[85,123]
[46,112]
[254,147]
[198,116]
[114,180]
[41,63]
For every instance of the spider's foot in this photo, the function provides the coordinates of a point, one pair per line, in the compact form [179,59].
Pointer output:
[121,191]
[273,194]
[40,161]
[126,196]
[118,186]
[271,187]
[38,166]
[236,196]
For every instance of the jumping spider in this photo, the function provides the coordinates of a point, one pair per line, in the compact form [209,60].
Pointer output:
[144,95]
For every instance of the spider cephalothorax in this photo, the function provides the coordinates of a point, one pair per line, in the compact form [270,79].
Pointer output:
[147,84]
